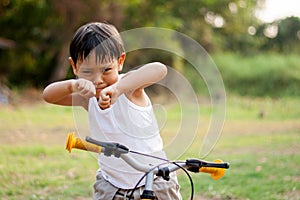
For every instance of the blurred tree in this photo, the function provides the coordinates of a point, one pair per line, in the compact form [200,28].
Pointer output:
[238,19]
[30,37]
[42,30]
[288,37]
[214,24]
[280,36]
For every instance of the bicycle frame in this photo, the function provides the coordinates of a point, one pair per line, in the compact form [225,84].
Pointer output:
[216,169]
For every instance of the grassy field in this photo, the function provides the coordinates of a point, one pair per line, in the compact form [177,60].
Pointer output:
[260,139]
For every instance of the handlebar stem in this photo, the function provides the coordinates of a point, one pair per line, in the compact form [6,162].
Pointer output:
[149,181]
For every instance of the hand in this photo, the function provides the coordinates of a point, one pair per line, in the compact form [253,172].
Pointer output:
[108,96]
[84,88]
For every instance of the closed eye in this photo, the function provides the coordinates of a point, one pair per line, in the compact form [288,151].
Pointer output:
[107,69]
[86,72]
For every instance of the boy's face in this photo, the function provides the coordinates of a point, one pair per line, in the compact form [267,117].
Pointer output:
[102,74]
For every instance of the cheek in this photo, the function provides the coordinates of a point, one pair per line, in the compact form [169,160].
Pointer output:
[111,79]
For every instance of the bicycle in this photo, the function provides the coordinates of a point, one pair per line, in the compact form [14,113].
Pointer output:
[216,169]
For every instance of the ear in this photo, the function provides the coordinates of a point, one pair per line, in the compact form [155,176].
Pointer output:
[121,61]
[75,70]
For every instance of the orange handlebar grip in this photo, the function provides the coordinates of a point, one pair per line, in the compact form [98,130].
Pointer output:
[74,142]
[215,173]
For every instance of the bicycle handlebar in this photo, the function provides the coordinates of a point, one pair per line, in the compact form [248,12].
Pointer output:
[74,142]
[216,169]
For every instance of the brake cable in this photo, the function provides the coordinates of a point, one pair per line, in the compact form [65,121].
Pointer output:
[167,161]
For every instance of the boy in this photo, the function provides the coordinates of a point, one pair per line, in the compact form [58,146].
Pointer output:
[118,107]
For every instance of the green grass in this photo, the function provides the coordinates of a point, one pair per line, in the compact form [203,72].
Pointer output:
[263,166]
[40,172]
[20,116]
[272,108]
[263,153]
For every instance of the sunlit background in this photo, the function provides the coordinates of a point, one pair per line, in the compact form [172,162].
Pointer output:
[273,10]
[254,45]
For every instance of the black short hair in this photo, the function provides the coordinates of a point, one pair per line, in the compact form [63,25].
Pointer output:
[102,37]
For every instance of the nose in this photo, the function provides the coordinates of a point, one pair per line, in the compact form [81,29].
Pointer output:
[98,79]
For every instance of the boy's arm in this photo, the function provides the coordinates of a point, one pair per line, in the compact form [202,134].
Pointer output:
[133,84]
[142,77]
[69,92]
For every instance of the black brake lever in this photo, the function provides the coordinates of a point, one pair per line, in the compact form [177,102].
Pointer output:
[200,163]
[109,148]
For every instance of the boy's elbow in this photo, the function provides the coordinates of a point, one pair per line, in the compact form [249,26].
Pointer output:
[46,97]
[161,69]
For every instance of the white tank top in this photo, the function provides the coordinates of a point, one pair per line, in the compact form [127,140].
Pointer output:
[130,125]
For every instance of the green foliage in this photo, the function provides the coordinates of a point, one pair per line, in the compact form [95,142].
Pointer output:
[286,36]
[31,36]
[288,33]
[197,19]
[271,75]
[42,30]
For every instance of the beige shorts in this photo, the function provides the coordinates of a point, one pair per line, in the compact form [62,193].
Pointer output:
[164,190]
